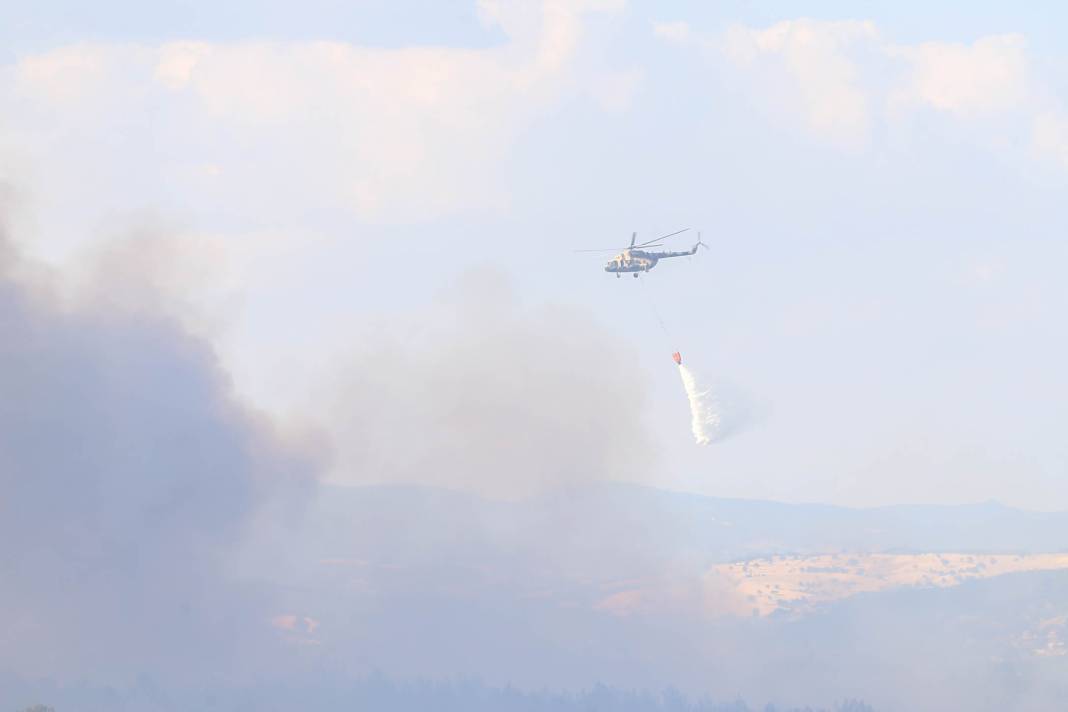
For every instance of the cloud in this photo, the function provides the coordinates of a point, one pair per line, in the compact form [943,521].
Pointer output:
[130,477]
[1050,136]
[991,74]
[678,32]
[492,396]
[843,78]
[614,91]
[390,134]
[815,56]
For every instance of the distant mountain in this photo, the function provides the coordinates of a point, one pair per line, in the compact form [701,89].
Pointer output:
[420,522]
[910,608]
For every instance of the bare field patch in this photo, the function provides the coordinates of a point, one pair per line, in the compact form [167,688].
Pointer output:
[764,586]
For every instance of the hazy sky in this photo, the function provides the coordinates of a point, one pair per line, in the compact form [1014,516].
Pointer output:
[369,209]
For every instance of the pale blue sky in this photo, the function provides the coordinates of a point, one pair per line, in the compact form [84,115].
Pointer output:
[407,22]
[888,308]
[395,23]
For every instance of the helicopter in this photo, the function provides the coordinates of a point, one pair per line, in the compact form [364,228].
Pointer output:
[637,259]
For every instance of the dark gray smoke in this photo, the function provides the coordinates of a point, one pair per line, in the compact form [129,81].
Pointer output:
[128,475]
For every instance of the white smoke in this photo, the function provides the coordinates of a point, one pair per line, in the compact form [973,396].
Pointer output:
[704,410]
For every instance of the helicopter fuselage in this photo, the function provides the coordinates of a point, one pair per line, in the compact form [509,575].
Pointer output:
[631,261]
[636,261]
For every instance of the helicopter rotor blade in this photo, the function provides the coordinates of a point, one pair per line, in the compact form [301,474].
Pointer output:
[621,249]
[632,246]
[664,237]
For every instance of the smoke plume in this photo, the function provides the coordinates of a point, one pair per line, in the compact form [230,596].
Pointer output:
[484,393]
[130,477]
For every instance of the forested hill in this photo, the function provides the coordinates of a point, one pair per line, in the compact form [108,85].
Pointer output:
[370,694]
